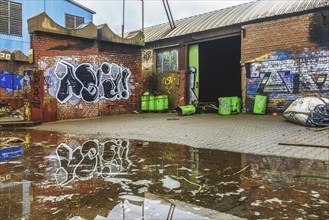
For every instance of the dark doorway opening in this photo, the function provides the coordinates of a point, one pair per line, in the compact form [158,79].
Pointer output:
[219,69]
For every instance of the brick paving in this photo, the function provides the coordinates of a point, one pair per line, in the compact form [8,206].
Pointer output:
[244,133]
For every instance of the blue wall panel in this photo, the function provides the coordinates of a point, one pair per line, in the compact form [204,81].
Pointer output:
[56,10]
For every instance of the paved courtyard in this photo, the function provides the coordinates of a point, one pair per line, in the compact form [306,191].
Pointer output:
[245,133]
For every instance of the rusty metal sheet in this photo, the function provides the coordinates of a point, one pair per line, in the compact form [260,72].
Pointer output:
[37,96]
[50,109]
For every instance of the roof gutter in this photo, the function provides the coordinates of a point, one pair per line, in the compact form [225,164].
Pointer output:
[188,42]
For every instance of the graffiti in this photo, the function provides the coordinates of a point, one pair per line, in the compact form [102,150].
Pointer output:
[289,73]
[92,158]
[6,177]
[36,99]
[168,83]
[147,56]
[27,111]
[109,82]
[27,81]
[10,82]
[5,56]
[48,82]
[10,153]
[192,96]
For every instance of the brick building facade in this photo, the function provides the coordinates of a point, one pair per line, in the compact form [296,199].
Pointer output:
[77,75]
[244,51]
[285,59]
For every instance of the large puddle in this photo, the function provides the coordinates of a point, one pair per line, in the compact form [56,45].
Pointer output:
[58,176]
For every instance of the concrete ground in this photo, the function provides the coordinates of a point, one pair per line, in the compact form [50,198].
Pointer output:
[245,133]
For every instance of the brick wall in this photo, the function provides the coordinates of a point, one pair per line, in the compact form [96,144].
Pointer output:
[106,76]
[5,65]
[286,59]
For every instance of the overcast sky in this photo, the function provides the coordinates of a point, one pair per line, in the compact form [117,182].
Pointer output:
[111,11]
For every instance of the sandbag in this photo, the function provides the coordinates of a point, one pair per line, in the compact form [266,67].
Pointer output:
[309,111]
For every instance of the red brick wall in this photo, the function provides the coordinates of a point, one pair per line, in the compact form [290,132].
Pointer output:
[293,43]
[49,49]
[5,66]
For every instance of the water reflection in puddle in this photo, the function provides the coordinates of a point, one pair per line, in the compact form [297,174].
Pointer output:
[47,175]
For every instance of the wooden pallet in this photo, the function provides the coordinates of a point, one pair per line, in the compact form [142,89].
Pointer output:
[19,123]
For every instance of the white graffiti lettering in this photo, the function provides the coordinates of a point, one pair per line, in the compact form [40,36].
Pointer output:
[5,56]
[91,159]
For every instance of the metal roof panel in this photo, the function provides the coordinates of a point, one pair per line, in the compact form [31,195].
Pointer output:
[238,14]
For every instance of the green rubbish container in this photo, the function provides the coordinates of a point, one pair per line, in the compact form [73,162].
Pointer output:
[260,104]
[159,103]
[145,100]
[186,110]
[224,105]
[235,105]
[151,103]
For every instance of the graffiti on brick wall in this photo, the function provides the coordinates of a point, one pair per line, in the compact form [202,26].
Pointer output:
[70,84]
[92,159]
[289,73]
[167,83]
[5,55]
[147,59]
[36,91]
[10,81]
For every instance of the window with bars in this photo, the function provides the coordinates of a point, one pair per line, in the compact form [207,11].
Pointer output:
[10,18]
[72,21]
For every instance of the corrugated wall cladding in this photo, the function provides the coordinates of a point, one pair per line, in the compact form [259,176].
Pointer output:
[239,14]
[55,9]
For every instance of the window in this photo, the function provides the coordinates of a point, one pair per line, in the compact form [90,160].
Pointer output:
[72,21]
[10,18]
[167,61]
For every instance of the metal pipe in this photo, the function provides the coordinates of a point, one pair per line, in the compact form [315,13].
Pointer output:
[142,15]
[167,13]
[172,19]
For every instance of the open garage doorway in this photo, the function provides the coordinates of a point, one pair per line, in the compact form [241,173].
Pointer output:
[219,69]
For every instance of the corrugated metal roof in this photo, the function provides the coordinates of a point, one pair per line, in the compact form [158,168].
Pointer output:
[239,14]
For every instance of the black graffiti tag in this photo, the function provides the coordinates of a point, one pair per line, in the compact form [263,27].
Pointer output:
[116,85]
[69,84]
[89,82]
[109,82]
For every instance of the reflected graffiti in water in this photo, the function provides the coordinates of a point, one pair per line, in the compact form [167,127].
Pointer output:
[92,158]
